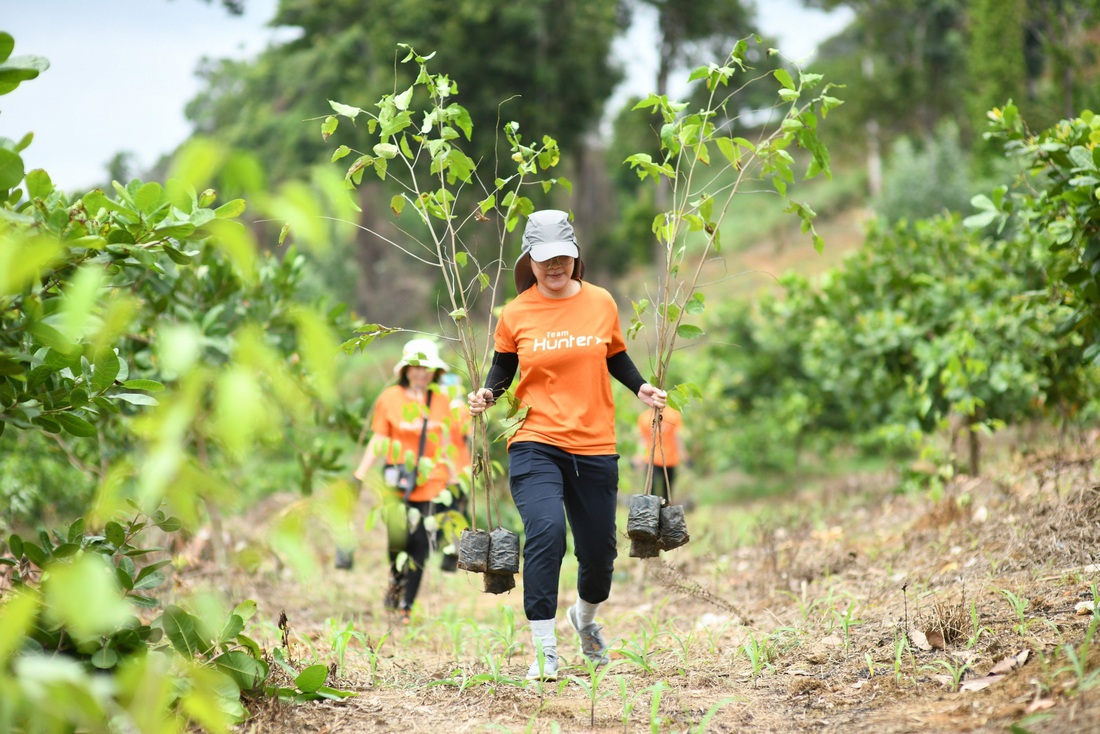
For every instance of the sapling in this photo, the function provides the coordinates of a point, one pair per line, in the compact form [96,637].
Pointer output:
[455,204]
[701,168]
[593,684]
[656,721]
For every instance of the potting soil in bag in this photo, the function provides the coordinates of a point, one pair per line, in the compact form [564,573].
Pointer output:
[498,583]
[643,523]
[674,531]
[644,549]
[503,552]
[473,550]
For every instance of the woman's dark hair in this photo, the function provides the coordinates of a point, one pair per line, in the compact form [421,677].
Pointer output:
[403,377]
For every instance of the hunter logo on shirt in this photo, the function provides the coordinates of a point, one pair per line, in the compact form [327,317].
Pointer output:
[563,340]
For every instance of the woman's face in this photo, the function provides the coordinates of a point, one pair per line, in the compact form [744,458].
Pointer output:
[418,376]
[553,275]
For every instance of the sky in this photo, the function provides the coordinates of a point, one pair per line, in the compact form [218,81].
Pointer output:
[122,71]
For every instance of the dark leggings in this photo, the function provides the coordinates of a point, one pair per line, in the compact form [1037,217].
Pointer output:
[548,486]
[418,545]
[659,487]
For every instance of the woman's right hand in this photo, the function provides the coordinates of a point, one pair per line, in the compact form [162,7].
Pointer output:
[479,400]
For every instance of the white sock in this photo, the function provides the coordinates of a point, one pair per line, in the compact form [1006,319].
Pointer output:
[542,631]
[586,613]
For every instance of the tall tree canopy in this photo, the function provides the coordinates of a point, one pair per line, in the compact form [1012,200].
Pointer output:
[690,29]
[550,59]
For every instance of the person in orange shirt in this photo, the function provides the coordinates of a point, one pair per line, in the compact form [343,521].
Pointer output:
[563,334]
[666,454]
[410,420]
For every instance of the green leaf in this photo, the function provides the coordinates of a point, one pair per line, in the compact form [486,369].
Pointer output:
[246,671]
[105,658]
[169,525]
[147,385]
[345,110]
[182,630]
[401,101]
[116,536]
[328,127]
[142,601]
[125,580]
[36,555]
[233,627]
[386,150]
[312,678]
[75,425]
[144,582]
[39,185]
[17,615]
[397,204]
[11,169]
[333,694]
[784,78]
[135,398]
[149,197]
[104,371]
[339,153]
[230,209]
[176,256]
[688,331]
[246,609]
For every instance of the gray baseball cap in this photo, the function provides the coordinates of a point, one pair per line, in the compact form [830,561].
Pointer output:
[548,234]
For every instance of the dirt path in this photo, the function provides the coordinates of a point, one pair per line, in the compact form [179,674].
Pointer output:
[782,618]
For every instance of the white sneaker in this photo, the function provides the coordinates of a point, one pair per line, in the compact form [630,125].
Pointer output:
[544,667]
[592,643]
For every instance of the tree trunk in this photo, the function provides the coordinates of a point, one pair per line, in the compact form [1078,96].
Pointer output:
[874,151]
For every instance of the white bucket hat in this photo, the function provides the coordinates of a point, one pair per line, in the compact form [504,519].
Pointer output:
[548,234]
[420,353]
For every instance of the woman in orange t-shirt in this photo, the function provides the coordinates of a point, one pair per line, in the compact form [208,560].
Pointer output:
[408,415]
[564,336]
[667,453]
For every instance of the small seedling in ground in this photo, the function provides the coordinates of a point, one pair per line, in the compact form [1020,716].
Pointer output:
[628,700]
[1078,658]
[656,721]
[1019,610]
[976,629]
[901,647]
[759,653]
[710,714]
[591,686]
[846,621]
[956,671]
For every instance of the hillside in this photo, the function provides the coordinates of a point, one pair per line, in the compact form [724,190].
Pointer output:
[846,607]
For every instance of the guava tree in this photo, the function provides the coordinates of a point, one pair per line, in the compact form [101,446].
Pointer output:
[1054,203]
[143,331]
[928,327]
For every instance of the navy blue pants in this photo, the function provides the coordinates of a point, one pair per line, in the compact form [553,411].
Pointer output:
[548,486]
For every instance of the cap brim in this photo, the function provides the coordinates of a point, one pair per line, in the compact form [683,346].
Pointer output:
[421,363]
[548,250]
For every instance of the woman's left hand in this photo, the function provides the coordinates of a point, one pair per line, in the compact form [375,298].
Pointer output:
[652,397]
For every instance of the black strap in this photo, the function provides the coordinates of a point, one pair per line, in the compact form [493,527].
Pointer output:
[423,441]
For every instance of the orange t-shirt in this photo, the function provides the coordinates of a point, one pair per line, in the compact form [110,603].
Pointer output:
[401,419]
[667,449]
[459,424]
[563,345]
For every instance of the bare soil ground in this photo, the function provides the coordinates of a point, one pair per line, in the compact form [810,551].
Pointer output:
[843,608]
